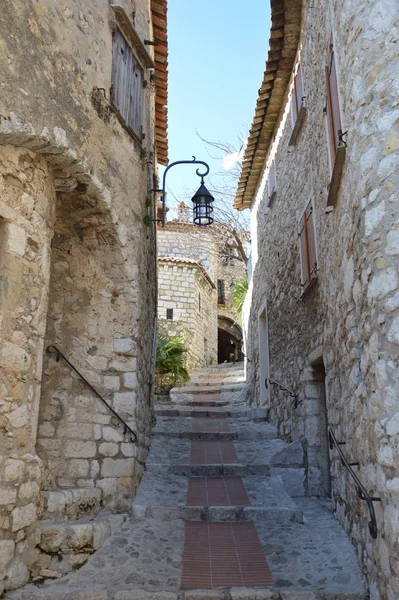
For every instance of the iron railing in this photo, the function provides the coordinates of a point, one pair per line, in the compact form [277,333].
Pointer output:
[293,395]
[59,355]
[361,490]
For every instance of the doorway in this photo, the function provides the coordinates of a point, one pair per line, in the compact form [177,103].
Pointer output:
[316,423]
[264,368]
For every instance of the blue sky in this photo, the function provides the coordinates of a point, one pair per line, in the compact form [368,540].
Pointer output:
[217,54]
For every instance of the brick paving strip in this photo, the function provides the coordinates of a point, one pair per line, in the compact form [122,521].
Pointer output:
[216,491]
[210,425]
[223,555]
[212,453]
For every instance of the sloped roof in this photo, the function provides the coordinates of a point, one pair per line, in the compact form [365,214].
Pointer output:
[283,45]
[159,21]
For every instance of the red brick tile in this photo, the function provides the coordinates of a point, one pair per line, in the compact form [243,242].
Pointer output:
[212,453]
[210,425]
[216,491]
[230,555]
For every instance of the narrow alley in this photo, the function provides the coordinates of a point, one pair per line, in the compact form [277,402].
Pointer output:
[219,507]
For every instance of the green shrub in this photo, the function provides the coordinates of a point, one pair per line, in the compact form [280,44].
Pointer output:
[238,295]
[170,361]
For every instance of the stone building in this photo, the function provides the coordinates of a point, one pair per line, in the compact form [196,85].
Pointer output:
[198,268]
[320,176]
[82,127]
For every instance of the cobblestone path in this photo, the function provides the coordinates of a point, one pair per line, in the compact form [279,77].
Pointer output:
[213,518]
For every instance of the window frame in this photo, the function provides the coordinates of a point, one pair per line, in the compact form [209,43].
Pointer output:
[221,291]
[169,314]
[298,109]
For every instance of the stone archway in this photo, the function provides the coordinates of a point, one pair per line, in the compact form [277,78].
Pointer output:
[229,340]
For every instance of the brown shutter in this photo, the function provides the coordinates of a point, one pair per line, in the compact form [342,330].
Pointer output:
[299,89]
[303,248]
[311,239]
[334,99]
[271,180]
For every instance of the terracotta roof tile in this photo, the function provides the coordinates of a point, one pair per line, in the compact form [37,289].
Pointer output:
[283,45]
[159,10]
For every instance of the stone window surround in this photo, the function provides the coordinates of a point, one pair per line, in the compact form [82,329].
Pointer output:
[313,273]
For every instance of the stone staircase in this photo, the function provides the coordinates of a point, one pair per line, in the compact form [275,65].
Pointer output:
[220,514]
[72,528]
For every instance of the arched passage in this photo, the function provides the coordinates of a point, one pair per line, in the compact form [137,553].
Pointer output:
[229,340]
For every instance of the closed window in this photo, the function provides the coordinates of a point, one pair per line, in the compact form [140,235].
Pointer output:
[297,95]
[169,314]
[127,89]
[271,182]
[332,111]
[307,247]
[221,292]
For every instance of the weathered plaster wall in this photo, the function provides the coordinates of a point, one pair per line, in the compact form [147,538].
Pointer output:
[179,288]
[89,254]
[348,320]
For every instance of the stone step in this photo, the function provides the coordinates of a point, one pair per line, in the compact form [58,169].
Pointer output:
[239,428]
[209,390]
[71,503]
[218,403]
[129,593]
[166,497]
[242,410]
[168,452]
[313,560]
[66,545]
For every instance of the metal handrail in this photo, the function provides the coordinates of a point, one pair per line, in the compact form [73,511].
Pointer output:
[294,395]
[52,348]
[361,490]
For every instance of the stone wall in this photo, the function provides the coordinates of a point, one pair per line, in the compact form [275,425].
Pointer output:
[337,344]
[77,269]
[185,289]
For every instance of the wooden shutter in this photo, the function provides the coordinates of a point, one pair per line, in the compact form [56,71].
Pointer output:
[297,95]
[127,84]
[303,251]
[271,181]
[333,112]
[307,246]
[311,240]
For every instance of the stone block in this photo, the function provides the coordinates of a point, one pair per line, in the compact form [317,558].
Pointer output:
[292,479]
[125,402]
[29,491]
[23,516]
[108,449]
[17,575]
[130,380]
[80,535]
[112,382]
[16,239]
[6,553]
[14,470]
[14,358]
[124,365]
[109,486]
[78,468]
[79,449]
[7,496]
[18,417]
[392,426]
[118,467]
[53,538]
[126,346]
[110,434]
[290,456]
[76,431]
[128,449]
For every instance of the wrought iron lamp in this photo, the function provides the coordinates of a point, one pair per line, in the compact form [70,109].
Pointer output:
[202,199]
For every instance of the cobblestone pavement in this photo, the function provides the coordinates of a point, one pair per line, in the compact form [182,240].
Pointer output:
[212,531]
